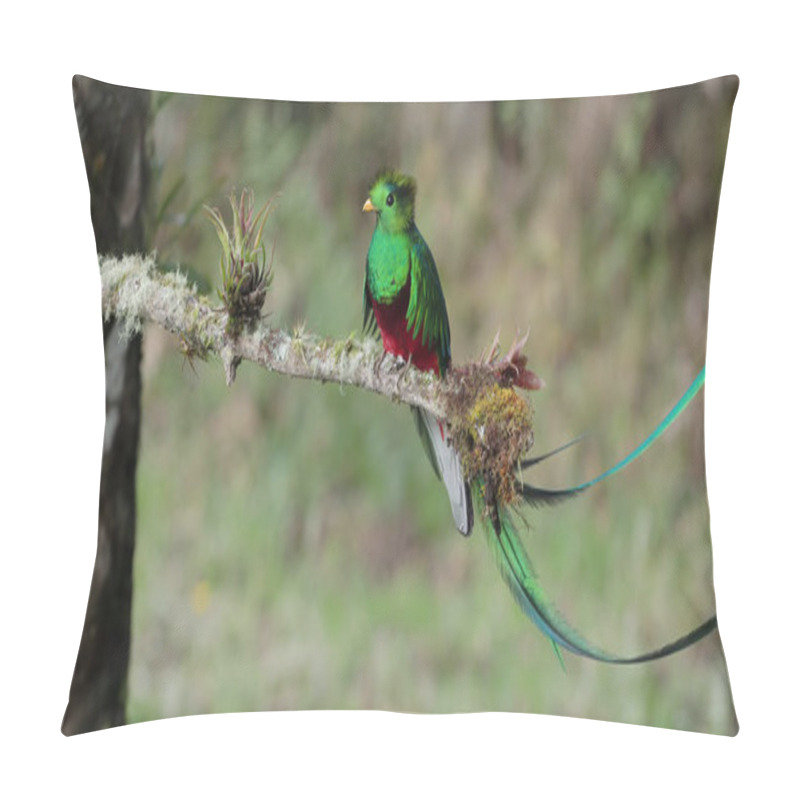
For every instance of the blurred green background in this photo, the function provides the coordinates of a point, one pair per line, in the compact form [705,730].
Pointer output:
[294,549]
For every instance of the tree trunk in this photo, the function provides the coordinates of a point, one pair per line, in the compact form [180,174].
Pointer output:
[112,123]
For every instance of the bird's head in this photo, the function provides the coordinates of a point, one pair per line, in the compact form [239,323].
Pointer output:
[392,199]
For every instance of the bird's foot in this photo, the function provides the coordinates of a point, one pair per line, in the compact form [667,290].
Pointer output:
[403,372]
[378,363]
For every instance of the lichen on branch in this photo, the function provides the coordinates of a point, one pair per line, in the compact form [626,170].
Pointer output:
[134,290]
[489,422]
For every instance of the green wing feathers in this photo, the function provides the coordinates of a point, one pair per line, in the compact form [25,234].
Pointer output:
[370,324]
[426,305]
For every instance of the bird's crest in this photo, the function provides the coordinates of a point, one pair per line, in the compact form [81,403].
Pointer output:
[404,184]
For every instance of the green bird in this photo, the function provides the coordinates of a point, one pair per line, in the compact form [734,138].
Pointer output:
[404,302]
[403,299]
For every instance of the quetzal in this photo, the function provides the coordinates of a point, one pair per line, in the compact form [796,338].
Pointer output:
[403,299]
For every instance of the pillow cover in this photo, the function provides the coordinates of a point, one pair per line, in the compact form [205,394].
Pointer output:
[284,544]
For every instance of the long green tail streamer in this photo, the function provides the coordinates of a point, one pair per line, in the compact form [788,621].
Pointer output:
[519,574]
[666,422]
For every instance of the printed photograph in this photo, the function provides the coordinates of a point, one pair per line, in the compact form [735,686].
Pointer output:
[404,407]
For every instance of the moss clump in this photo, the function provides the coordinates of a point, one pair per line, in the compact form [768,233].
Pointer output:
[491,436]
[196,341]
[342,347]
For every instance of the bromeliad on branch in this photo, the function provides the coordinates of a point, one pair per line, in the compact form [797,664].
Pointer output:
[246,275]
[479,455]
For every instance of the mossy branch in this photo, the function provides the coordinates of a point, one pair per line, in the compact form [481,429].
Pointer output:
[134,290]
[489,422]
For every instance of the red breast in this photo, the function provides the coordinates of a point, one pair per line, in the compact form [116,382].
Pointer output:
[398,339]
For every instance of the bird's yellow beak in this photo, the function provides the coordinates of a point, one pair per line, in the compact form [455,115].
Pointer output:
[368,206]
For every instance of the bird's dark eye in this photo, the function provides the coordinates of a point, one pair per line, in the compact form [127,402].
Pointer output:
[390,199]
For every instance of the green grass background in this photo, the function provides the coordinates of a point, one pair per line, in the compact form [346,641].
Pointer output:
[294,550]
